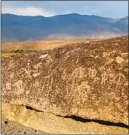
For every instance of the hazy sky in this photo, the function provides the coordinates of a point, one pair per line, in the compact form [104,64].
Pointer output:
[114,9]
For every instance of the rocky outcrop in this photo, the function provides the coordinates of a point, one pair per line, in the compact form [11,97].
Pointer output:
[50,123]
[86,80]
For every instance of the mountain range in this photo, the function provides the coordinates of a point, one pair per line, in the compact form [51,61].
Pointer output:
[21,28]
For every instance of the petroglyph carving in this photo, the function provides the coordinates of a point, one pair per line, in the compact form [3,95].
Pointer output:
[83,90]
[52,71]
[78,72]
[27,71]
[119,59]
[19,87]
[118,79]
[38,65]
[92,72]
[104,78]
[71,80]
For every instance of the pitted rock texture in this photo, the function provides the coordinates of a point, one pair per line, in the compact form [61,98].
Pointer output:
[11,127]
[87,80]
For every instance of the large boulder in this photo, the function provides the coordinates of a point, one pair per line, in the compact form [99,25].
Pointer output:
[86,80]
[49,123]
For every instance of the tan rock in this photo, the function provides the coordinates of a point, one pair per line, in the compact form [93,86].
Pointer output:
[87,80]
[11,127]
[50,123]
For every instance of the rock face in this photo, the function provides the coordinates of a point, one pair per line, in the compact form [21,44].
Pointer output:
[87,80]
[50,123]
[11,127]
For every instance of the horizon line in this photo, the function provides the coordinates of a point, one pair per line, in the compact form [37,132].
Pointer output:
[62,15]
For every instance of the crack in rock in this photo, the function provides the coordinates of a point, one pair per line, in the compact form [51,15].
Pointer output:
[85,120]
[51,123]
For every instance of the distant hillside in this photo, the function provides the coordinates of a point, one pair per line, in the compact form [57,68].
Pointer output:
[21,28]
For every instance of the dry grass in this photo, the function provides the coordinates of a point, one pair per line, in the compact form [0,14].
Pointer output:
[41,44]
[10,48]
[7,54]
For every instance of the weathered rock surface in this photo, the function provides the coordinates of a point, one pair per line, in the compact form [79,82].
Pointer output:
[87,80]
[50,123]
[11,127]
